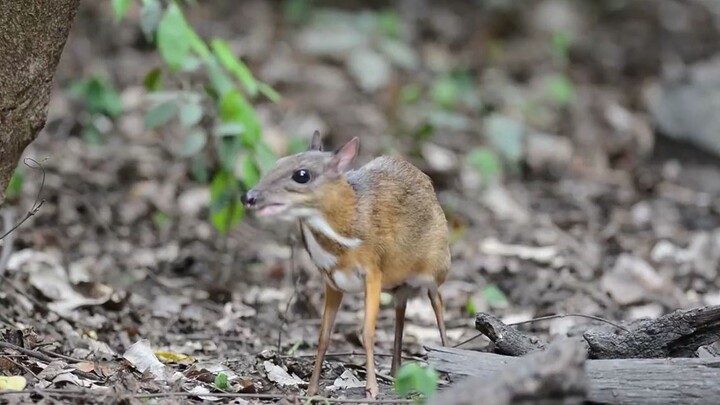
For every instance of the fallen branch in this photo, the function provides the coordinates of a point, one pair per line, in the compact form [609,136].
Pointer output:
[47,359]
[556,374]
[630,381]
[677,334]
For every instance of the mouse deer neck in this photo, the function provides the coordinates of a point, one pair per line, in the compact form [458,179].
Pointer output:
[336,215]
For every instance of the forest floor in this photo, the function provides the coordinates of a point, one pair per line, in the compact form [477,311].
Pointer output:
[622,226]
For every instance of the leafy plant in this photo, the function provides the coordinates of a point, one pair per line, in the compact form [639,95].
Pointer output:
[494,296]
[221,381]
[101,100]
[215,112]
[560,89]
[414,378]
[486,162]
[15,186]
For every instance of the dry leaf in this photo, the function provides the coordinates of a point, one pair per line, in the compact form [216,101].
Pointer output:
[12,383]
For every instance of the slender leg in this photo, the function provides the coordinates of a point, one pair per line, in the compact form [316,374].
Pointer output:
[437,305]
[333,299]
[400,304]
[373,288]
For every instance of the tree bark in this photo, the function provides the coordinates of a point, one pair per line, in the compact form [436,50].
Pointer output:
[32,37]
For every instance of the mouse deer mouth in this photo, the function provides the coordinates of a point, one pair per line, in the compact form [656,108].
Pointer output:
[272,209]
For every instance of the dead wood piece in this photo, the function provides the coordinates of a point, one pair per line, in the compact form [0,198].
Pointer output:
[678,334]
[611,381]
[555,375]
[507,339]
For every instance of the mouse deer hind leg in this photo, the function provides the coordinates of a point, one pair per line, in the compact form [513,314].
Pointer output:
[333,299]
[437,306]
[400,305]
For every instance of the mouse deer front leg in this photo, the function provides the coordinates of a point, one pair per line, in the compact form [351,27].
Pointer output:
[333,299]
[373,289]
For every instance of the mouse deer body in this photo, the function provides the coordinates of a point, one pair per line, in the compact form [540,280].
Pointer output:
[377,228]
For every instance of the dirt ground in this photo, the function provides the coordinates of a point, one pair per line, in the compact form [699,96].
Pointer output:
[595,214]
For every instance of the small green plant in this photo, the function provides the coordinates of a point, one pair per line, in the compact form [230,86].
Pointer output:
[221,381]
[101,100]
[213,106]
[486,162]
[494,296]
[15,186]
[414,378]
[560,89]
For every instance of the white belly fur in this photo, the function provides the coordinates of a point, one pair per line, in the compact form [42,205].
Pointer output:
[349,282]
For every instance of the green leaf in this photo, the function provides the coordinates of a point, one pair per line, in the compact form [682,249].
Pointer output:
[296,11]
[412,377]
[15,186]
[389,23]
[264,157]
[194,143]
[150,15]
[446,92]
[197,44]
[297,145]
[190,114]
[228,151]
[172,37]
[494,296]
[120,7]
[98,95]
[226,209]
[470,307]
[269,92]
[199,169]
[235,108]
[249,172]
[485,162]
[506,136]
[161,114]
[234,65]
[92,135]
[161,219]
[410,94]
[153,80]
[220,82]
[561,90]
[221,381]
[229,129]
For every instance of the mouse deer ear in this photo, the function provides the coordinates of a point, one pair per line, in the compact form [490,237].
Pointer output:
[316,142]
[344,156]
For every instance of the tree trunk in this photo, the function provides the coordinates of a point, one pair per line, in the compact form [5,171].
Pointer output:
[32,37]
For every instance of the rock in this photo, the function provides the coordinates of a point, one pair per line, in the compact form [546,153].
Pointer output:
[685,109]
[631,280]
[546,151]
[439,158]
[369,70]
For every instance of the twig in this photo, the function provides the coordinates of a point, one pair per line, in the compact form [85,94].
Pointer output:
[45,358]
[596,318]
[38,202]
[296,280]
[20,365]
[543,318]
[353,353]
[61,356]
[175,394]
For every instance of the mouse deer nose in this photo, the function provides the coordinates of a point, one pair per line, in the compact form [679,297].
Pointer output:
[249,198]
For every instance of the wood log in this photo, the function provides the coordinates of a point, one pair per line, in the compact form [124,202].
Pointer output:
[555,376]
[611,381]
[677,334]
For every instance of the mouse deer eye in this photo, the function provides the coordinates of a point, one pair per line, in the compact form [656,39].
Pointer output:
[301,176]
